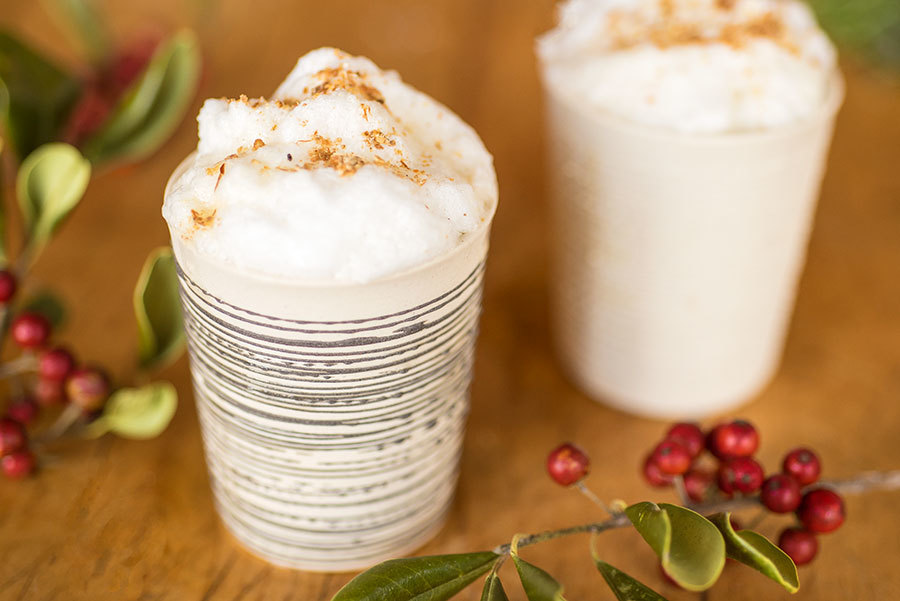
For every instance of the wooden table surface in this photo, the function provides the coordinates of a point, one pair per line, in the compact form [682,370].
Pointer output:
[121,520]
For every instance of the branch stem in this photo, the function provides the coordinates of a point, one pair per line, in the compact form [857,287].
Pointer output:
[864,482]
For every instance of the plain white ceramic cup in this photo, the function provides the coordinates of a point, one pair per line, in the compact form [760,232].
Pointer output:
[332,415]
[677,256]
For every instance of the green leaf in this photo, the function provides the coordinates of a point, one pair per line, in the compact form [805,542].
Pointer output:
[690,548]
[50,183]
[756,551]
[49,305]
[154,105]
[434,578]
[157,309]
[493,589]
[138,413]
[83,19]
[35,96]
[538,584]
[870,27]
[624,587]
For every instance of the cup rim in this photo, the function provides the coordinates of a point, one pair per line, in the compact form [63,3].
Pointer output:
[470,239]
[826,111]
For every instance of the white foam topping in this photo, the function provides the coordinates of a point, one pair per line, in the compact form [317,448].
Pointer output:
[347,174]
[699,66]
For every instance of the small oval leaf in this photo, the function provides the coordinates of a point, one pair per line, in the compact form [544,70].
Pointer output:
[49,305]
[758,552]
[153,106]
[624,587]
[538,584]
[157,309]
[493,589]
[690,548]
[138,413]
[50,183]
[433,578]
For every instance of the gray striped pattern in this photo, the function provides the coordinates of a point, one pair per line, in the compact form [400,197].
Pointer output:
[333,445]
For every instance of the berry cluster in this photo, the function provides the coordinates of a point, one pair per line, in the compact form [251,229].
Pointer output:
[680,455]
[53,380]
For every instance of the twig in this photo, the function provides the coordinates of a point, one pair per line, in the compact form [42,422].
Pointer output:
[865,482]
[587,492]
[17,366]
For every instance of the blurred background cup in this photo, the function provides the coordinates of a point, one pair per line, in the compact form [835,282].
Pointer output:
[677,256]
[333,415]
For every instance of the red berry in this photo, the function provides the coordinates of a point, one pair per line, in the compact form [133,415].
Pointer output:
[688,435]
[803,465]
[30,330]
[56,364]
[696,484]
[12,436]
[48,393]
[780,493]
[672,458]
[18,465]
[87,388]
[23,410]
[567,464]
[741,474]
[800,545]
[821,510]
[654,475]
[735,439]
[7,286]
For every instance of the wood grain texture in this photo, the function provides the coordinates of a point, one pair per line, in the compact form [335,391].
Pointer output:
[123,520]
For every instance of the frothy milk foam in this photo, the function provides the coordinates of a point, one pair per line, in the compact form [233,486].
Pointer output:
[696,66]
[346,174]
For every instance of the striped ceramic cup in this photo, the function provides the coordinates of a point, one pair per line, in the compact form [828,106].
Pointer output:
[333,415]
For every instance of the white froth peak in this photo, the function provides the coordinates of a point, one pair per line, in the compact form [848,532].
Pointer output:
[697,66]
[345,175]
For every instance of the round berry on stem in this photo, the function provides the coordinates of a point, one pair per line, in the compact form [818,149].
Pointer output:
[689,435]
[803,465]
[697,483]
[741,474]
[567,464]
[800,545]
[821,511]
[672,458]
[654,476]
[22,410]
[12,436]
[49,393]
[55,364]
[8,286]
[18,465]
[30,330]
[735,439]
[87,388]
[780,493]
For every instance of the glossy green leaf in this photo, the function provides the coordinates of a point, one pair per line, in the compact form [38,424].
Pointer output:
[690,548]
[538,584]
[157,309]
[153,106]
[624,587]
[756,551]
[493,589]
[36,97]
[434,578]
[138,413]
[49,305]
[50,183]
